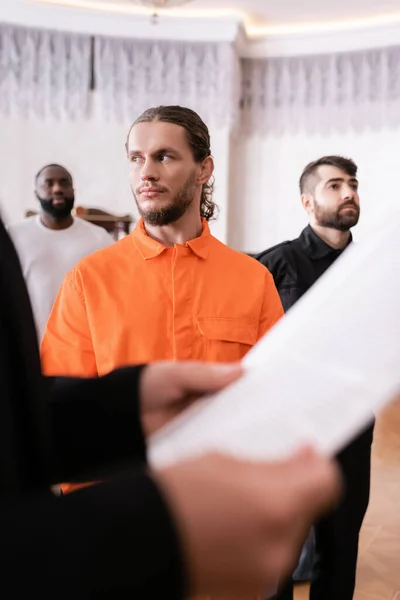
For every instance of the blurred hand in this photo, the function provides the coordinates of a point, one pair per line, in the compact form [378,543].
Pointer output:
[167,388]
[242,524]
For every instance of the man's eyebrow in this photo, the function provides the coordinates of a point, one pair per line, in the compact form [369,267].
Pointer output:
[65,178]
[340,180]
[164,150]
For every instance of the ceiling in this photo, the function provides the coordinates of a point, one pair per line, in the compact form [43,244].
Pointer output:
[271,27]
[272,14]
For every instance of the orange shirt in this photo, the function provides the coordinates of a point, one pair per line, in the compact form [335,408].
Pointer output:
[138,301]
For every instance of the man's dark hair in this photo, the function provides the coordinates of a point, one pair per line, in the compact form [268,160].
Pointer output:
[38,174]
[199,140]
[344,164]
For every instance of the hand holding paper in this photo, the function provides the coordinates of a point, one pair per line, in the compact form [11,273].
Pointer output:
[318,376]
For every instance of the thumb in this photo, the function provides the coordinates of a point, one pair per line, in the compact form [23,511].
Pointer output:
[318,481]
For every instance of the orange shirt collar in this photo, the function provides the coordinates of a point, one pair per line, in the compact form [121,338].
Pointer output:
[149,248]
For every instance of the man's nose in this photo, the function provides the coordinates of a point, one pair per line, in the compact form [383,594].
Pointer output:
[348,193]
[57,189]
[149,171]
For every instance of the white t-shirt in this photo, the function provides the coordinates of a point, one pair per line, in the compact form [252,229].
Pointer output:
[46,255]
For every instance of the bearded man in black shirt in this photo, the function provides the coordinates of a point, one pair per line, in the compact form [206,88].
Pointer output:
[329,194]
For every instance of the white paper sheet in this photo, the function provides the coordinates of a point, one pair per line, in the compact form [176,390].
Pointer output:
[318,376]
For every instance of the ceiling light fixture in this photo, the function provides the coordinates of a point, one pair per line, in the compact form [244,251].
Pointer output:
[159,4]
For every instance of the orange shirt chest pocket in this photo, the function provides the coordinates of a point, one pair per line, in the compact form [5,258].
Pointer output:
[226,339]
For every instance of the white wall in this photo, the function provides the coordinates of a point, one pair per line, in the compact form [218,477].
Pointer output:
[265,202]
[256,178]
[93,151]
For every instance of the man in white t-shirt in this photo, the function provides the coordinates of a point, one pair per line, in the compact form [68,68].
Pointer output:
[51,243]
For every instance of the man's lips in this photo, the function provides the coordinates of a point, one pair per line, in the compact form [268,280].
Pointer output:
[348,207]
[150,192]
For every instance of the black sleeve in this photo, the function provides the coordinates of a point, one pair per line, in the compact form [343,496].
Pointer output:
[112,540]
[289,296]
[95,424]
[275,260]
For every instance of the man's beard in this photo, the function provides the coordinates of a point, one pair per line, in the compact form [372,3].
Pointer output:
[59,211]
[336,219]
[165,215]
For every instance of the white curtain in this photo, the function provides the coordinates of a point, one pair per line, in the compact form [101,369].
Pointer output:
[133,75]
[48,74]
[357,90]
[43,73]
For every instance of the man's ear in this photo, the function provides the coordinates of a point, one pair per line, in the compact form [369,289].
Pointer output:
[306,200]
[206,170]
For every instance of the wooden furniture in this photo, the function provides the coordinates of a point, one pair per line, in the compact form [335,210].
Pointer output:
[116,225]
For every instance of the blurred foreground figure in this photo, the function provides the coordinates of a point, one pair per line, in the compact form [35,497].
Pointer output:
[211,526]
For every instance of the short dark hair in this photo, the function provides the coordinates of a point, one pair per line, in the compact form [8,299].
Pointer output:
[199,140]
[38,174]
[340,162]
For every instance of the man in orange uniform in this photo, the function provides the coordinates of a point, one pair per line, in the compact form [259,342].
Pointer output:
[170,290]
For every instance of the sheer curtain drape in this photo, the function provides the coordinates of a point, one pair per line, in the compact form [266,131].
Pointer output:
[132,75]
[356,90]
[48,74]
[43,73]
